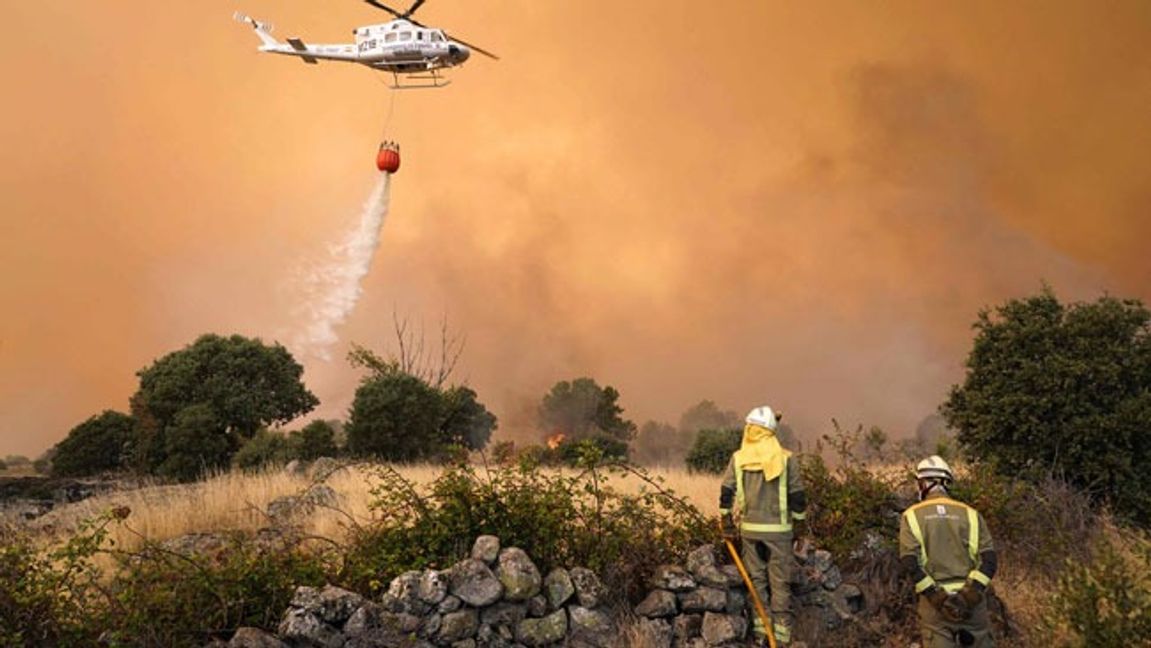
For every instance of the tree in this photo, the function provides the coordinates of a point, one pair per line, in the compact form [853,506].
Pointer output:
[706,415]
[401,416]
[713,449]
[264,448]
[243,383]
[1062,389]
[97,445]
[194,444]
[659,443]
[581,409]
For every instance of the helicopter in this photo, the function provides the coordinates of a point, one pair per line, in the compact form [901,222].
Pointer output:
[414,53]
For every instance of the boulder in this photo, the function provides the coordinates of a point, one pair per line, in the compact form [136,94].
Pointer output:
[736,602]
[558,586]
[687,626]
[254,638]
[704,599]
[672,578]
[659,603]
[372,619]
[449,604]
[538,606]
[330,604]
[518,574]
[296,468]
[459,625]
[430,625]
[432,587]
[589,590]
[323,468]
[403,595]
[654,633]
[487,549]
[504,613]
[543,631]
[474,583]
[719,628]
[302,627]
[593,627]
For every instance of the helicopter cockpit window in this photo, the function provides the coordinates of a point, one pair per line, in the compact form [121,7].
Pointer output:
[390,38]
[436,38]
[419,35]
[405,36]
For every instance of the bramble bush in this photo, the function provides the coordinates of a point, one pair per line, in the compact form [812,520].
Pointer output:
[559,518]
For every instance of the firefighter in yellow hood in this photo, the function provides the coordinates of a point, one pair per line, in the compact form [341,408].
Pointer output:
[946,547]
[763,484]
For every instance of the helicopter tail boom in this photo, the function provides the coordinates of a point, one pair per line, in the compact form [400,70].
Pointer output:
[263,30]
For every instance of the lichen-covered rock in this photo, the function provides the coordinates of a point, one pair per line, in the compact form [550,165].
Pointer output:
[558,586]
[319,496]
[486,549]
[459,625]
[375,626]
[654,633]
[704,599]
[449,604]
[296,468]
[542,631]
[322,468]
[254,638]
[330,604]
[592,627]
[466,643]
[474,583]
[733,576]
[431,624]
[659,603]
[672,578]
[701,558]
[821,560]
[687,626]
[403,595]
[518,574]
[432,586]
[589,590]
[303,627]
[736,602]
[538,606]
[719,628]
[504,613]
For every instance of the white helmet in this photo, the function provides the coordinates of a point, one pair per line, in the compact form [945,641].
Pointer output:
[763,416]
[934,467]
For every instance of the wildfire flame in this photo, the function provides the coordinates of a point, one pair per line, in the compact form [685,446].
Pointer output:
[555,440]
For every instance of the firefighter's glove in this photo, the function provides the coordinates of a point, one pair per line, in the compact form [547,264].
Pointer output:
[730,533]
[936,596]
[955,609]
[971,594]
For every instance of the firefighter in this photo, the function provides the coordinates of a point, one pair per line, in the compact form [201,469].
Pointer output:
[763,484]
[946,547]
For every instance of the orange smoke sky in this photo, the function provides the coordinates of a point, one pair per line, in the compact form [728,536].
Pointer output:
[803,204]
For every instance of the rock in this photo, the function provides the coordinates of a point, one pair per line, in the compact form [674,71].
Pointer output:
[432,587]
[504,613]
[718,629]
[736,602]
[589,590]
[319,496]
[672,578]
[302,627]
[558,586]
[466,643]
[487,549]
[518,574]
[700,559]
[449,604]
[431,624]
[459,625]
[474,583]
[590,626]
[704,599]
[654,633]
[254,638]
[538,606]
[331,604]
[694,642]
[821,560]
[543,631]
[734,578]
[853,596]
[323,468]
[659,603]
[687,626]
[832,578]
[296,468]
[372,620]
[403,595]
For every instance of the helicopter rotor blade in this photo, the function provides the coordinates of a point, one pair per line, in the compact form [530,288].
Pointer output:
[474,47]
[380,5]
[415,5]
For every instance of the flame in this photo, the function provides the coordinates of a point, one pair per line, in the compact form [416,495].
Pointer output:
[555,440]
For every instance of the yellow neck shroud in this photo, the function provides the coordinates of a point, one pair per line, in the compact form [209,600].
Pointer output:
[760,450]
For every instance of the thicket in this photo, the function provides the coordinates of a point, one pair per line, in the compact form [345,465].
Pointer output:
[100,444]
[712,450]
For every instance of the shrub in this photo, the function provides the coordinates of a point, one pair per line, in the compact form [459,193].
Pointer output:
[573,452]
[1106,601]
[264,448]
[317,439]
[712,450]
[850,507]
[97,445]
[1063,389]
[559,519]
[581,408]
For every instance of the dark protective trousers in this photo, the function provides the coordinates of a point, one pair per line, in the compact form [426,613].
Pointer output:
[938,632]
[769,562]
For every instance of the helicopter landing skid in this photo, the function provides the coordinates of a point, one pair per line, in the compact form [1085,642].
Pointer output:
[430,80]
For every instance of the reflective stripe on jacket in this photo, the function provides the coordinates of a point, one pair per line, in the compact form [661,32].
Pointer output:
[947,538]
[764,506]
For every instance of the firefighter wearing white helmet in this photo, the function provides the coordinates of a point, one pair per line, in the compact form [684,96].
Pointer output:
[947,549]
[763,484]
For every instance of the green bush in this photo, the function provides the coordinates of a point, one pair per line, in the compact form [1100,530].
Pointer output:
[576,519]
[1105,601]
[264,448]
[712,450]
[317,439]
[97,445]
[573,452]
[850,507]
